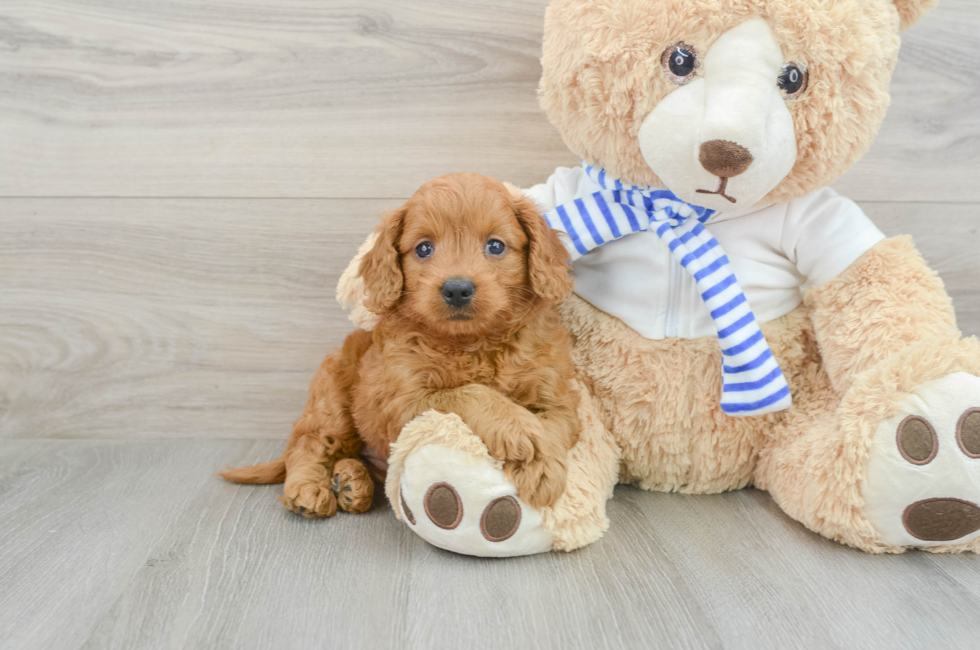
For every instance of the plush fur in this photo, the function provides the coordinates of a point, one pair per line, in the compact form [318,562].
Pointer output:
[900,300]
[501,362]
[911,11]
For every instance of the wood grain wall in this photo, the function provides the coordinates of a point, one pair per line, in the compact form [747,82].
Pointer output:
[181,184]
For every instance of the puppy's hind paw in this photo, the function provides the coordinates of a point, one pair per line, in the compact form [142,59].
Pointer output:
[353,486]
[311,500]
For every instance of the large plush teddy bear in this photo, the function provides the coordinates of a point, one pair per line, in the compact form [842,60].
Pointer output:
[735,322]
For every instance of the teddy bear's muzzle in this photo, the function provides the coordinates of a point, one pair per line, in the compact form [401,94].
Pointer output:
[727,136]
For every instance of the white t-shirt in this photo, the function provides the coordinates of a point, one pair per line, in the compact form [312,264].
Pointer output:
[774,251]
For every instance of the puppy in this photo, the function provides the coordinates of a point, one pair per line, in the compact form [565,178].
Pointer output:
[465,278]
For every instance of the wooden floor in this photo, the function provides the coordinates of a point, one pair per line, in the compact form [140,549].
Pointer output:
[181,184]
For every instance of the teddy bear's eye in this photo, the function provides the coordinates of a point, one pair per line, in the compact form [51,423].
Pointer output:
[793,79]
[680,62]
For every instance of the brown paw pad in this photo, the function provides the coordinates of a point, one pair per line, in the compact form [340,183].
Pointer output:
[443,505]
[968,432]
[500,519]
[941,520]
[917,440]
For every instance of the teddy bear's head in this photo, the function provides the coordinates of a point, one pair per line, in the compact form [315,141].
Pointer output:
[727,103]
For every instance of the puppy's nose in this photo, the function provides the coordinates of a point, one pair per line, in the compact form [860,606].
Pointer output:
[457,292]
[724,159]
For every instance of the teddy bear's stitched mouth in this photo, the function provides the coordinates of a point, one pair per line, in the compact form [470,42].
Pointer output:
[721,189]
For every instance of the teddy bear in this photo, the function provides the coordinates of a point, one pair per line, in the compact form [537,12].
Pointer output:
[735,322]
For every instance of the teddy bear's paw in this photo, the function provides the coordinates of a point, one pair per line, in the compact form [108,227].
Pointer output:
[923,483]
[462,502]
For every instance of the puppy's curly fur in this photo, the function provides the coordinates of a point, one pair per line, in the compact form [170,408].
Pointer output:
[500,361]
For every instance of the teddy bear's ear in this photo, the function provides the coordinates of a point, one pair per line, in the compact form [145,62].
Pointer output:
[911,11]
[351,293]
[381,267]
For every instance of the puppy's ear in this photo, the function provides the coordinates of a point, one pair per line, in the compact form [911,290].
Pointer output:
[381,267]
[547,260]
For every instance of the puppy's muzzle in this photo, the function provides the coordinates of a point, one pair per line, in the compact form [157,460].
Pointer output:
[458,292]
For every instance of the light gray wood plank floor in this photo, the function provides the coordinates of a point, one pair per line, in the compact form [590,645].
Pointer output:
[181,184]
[134,544]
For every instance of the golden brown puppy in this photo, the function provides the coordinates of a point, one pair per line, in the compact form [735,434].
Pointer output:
[465,277]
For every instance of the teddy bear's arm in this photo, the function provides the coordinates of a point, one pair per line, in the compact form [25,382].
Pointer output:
[886,300]
[533,454]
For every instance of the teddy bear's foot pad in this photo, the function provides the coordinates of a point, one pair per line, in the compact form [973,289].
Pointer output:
[444,507]
[923,486]
[462,502]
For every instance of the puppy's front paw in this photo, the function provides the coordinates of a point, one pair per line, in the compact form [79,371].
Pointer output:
[353,486]
[539,482]
[312,499]
[508,446]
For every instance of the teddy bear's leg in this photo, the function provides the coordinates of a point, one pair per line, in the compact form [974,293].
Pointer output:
[813,466]
[444,484]
[883,451]
[893,464]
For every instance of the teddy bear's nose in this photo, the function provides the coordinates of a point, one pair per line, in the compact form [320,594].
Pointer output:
[724,159]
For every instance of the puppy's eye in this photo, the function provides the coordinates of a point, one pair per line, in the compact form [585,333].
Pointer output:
[495,247]
[680,63]
[424,250]
[793,80]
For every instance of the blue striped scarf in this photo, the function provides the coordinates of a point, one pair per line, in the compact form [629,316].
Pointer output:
[752,381]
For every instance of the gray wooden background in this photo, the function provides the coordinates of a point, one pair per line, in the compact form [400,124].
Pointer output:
[181,183]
